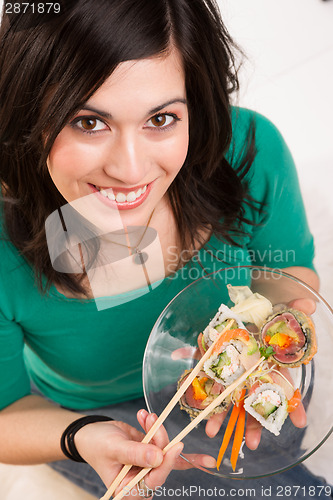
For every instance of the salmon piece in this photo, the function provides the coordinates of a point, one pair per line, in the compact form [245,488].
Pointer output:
[294,402]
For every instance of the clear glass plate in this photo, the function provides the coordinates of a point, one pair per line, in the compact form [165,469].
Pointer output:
[178,327]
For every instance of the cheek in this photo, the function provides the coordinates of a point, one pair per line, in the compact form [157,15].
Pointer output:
[175,154]
[70,158]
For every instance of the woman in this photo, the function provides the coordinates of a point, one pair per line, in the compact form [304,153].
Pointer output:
[119,149]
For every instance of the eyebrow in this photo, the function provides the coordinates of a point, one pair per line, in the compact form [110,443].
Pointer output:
[108,116]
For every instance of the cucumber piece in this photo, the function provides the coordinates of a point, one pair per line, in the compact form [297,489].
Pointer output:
[264,409]
[221,327]
[222,361]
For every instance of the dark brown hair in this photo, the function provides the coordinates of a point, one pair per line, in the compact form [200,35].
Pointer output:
[49,68]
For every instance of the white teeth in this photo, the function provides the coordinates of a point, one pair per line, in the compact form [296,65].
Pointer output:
[122,197]
[131,196]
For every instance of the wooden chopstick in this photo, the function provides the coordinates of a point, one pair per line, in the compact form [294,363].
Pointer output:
[190,427]
[167,410]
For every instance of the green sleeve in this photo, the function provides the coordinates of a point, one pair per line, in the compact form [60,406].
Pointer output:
[281,236]
[14,380]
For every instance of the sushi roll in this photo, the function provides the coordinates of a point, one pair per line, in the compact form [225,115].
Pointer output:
[268,404]
[233,353]
[218,323]
[291,335]
[224,366]
[201,392]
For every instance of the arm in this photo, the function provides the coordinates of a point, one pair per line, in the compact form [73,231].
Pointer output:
[281,237]
[31,427]
[30,431]
[305,274]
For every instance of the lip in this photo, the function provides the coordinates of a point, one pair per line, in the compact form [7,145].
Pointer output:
[123,190]
[126,205]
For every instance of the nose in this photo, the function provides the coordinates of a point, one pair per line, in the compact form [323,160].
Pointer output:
[127,159]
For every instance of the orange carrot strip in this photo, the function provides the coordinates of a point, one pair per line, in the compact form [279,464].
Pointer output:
[239,433]
[227,435]
[229,430]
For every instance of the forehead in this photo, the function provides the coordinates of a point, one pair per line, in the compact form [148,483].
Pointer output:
[146,82]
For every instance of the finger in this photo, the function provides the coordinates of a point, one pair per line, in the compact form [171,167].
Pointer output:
[129,431]
[308,306]
[195,460]
[142,416]
[214,424]
[157,477]
[160,438]
[129,452]
[146,421]
[183,353]
[285,371]
[298,416]
[252,433]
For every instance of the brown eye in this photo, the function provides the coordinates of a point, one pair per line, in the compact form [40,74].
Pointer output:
[88,123]
[159,120]
[162,121]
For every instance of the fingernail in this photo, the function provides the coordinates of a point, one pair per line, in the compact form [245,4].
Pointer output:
[180,449]
[151,419]
[153,458]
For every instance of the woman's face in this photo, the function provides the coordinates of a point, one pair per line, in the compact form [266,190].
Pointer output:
[127,143]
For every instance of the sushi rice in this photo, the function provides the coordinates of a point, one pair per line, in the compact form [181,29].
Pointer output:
[271,395]
[232,369]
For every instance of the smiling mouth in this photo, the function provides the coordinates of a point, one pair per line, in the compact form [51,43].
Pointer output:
[120,196]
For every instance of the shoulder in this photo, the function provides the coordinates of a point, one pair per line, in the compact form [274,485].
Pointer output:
[272,179]
[273,159]
[267,135]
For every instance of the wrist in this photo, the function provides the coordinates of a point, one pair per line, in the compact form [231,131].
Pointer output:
[67,441]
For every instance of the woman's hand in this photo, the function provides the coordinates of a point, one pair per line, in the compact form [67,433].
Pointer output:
[106,446]
[252,431]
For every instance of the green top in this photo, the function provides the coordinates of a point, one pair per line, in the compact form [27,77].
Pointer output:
[82,357]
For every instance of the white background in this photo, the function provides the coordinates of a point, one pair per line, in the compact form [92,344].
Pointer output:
[289,78]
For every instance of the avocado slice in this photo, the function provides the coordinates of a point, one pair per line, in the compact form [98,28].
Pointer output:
[275,328]
[252,346]
[280,327]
